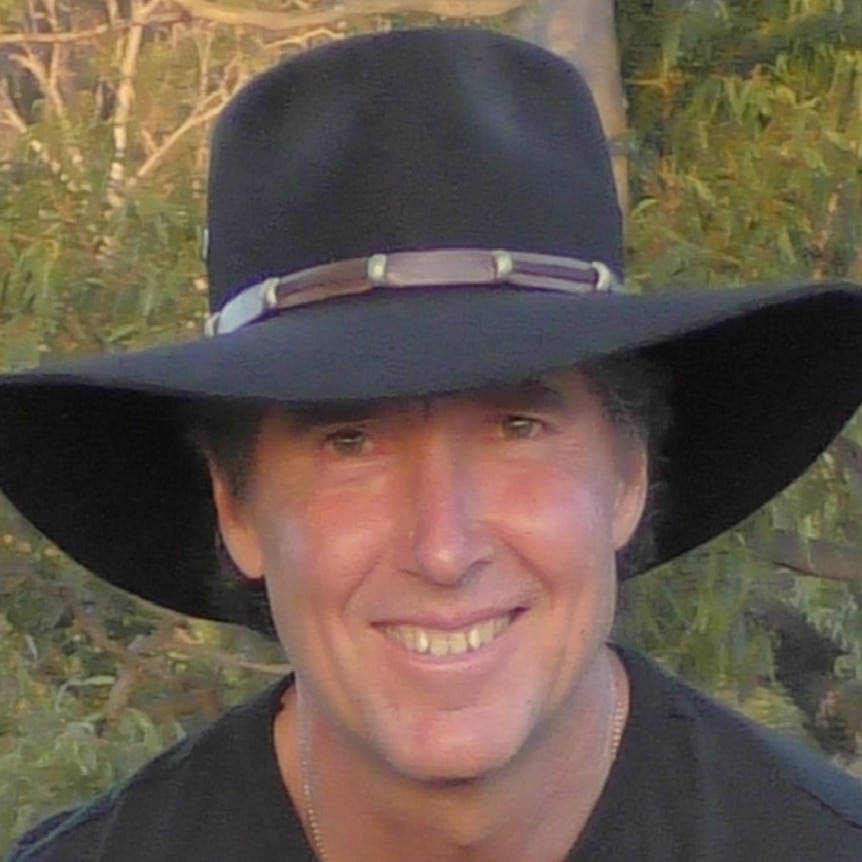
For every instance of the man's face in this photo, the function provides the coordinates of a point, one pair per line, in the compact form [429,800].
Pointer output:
[441,572]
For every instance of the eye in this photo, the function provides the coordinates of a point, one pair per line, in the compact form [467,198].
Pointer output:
[348,441]
[517,427]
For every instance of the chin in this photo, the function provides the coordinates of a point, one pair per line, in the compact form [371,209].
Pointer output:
[447,761]
[458,774]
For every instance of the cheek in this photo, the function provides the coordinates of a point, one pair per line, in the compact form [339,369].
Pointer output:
[559,515]
[318,547]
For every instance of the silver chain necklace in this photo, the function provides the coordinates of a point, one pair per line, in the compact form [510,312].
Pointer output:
[317,846]
[618,722]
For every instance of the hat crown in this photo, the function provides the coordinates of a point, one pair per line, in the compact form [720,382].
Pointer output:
[410,140]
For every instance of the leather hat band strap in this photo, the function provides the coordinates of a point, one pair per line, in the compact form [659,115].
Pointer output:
[405,269]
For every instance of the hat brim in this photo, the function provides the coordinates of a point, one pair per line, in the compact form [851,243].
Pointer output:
[94,455]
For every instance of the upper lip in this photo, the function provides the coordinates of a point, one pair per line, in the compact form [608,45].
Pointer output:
[449,622]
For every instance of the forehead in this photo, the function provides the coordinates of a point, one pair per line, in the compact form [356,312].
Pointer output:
[555,391]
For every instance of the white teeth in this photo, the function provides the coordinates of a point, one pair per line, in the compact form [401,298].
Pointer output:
[422,641]
[439,645]
[442,643]
[458,643]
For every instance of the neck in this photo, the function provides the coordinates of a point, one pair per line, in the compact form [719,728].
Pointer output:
[355,807]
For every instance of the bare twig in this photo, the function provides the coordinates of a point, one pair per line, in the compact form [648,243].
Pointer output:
[121,691]
[821,242]
[203,113]
[222,13]
[67,37]
[115,197]
[14,119]
[229,660]
[305,39]
[31,62]
[112,9]
[46,73]
[115,194]
[848,455]
[97,636]
[146,653]
[204,44]
[61,38]
[813,557]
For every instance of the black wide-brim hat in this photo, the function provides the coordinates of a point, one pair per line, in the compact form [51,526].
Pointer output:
[409,214]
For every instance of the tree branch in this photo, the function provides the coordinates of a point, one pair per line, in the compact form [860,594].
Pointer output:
[115,194]
[222,13]
[848,455]
[228,660]
[60,38]
[46,74]
[202,114]
[14,119]
[813,557]
[584,32]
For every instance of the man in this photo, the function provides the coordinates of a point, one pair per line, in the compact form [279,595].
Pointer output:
[424,434]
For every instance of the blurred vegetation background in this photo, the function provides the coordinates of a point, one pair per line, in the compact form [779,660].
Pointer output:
[742,149]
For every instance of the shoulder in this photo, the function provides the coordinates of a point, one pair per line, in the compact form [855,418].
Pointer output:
[767,787]
[73,835]
[38,833]
[176,786]
[747,751]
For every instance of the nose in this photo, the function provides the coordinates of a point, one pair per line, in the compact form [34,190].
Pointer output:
[448,540]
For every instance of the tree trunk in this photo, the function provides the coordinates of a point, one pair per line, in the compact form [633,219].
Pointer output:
[584,32]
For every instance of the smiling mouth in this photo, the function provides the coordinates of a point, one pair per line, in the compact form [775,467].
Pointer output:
[439,643]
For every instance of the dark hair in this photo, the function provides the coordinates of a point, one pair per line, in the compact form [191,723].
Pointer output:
[634,392]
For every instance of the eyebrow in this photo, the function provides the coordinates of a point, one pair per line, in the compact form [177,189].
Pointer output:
[307,418]
[527,395]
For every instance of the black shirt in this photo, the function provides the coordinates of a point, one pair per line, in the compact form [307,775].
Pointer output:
[693,782]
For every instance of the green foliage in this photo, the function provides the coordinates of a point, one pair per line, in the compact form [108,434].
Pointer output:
[745,155]
[94,683]
[744,159]
[53,750]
